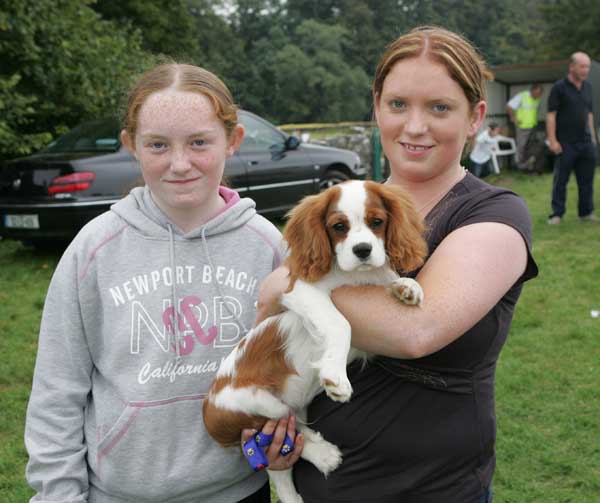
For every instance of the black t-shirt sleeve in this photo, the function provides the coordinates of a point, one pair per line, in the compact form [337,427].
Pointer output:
[554,98]
[503,207]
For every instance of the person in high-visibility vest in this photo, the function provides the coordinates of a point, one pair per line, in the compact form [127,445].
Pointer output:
[523,112]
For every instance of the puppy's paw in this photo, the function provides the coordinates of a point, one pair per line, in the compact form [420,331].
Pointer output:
[407,291]
[290,498]
[336,385]
[327,457]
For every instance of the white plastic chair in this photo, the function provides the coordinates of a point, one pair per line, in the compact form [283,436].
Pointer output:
[505,151]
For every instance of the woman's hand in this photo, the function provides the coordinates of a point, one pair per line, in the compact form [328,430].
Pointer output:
[278,429]
[269,294]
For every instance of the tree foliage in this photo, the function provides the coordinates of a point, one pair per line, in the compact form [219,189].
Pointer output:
[305,76]
[64,61]
[574,25]
[166,26]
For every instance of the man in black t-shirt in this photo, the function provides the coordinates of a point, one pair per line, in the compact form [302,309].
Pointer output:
[571,135]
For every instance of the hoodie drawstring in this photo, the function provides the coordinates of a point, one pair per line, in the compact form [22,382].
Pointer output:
[210,264]
[174,295]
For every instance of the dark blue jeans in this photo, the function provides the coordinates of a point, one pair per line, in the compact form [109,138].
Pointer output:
[581,158]
[488,496]
[481,170]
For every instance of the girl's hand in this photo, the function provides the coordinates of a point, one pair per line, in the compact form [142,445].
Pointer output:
[278,429]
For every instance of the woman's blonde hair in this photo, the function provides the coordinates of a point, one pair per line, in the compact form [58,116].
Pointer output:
[463,62]
[181,77]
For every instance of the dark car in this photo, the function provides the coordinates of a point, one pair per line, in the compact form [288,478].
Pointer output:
[49,196]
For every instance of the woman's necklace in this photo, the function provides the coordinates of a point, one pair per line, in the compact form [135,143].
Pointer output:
[438,196]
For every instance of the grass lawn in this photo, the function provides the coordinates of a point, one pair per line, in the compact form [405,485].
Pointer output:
[548,391]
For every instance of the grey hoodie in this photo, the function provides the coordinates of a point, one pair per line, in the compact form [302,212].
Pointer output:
[115,413]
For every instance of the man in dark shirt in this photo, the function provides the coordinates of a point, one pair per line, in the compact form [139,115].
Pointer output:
[571,136]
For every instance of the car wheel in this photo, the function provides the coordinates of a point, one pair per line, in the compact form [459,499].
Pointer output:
[331,178]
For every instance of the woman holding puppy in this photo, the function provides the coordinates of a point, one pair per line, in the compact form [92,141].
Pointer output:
[143,306]
[420,427]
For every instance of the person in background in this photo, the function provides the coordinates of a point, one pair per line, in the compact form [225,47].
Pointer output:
[481,155]
[572,138]
[522,110]
[142,308]
[420,426]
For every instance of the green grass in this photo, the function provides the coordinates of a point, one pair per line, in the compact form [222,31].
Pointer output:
[548,398]
[24,277]
[548,391]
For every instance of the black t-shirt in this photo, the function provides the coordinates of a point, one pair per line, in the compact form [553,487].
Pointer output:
[423,431]
[572,107]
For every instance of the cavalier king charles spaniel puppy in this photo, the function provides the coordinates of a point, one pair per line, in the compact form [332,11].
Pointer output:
[353,233]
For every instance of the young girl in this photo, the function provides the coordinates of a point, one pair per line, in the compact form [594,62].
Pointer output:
[143,306]
[420,427]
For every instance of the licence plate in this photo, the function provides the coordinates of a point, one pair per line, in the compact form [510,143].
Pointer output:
[21,221]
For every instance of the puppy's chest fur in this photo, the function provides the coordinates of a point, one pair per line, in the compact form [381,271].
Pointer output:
[288,359]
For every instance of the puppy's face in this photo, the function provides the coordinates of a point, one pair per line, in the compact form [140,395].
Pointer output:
[356,226]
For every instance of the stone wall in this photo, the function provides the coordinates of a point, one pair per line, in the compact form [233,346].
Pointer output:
[358,141]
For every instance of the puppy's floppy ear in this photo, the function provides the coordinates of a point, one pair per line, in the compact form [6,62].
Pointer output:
[306,234]
[404,242]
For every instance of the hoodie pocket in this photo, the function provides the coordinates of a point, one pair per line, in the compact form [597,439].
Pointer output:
[116,433]
[155,450]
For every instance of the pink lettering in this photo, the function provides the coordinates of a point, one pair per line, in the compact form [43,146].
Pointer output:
[186,307]
[186,344]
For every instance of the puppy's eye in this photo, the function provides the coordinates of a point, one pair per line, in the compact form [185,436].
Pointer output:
[339,227]
[376,222]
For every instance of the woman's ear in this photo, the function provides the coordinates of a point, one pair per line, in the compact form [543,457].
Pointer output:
[477,117]
[235,139]
[376,97]
[128,142]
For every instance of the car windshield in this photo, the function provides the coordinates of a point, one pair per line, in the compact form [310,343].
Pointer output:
[95,136]
[259,135]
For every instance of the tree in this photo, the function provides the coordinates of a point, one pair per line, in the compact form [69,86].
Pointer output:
[61,64]
[220,49]
[574,25]
[312,79]
[166,26]
[16,113]
[253,19]
[290,60]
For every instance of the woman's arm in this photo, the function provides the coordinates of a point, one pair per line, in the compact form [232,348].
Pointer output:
[469,272]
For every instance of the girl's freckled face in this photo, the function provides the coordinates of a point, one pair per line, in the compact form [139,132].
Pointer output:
[182,147]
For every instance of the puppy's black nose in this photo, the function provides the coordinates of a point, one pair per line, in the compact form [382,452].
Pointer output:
[362,250]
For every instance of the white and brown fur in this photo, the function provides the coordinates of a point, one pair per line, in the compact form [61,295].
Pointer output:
[354,233]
